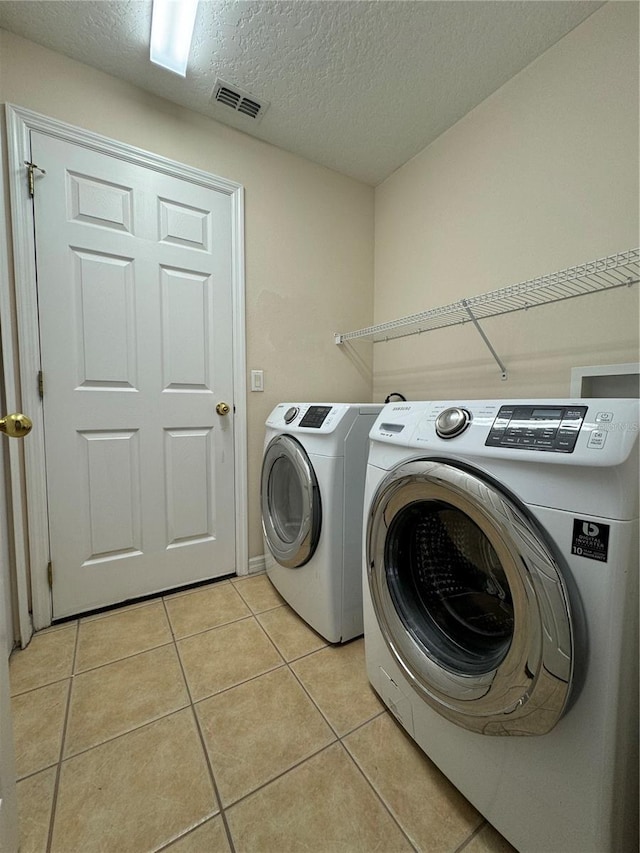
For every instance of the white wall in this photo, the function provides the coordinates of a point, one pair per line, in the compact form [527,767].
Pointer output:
[541,176]
[309,232]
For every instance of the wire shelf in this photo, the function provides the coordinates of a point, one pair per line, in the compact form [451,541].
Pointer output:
[619,270]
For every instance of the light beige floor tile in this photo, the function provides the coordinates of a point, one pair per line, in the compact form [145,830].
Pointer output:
[121,634]
[324,805]
[136,792]
[35,798]
[433,813]
[211,837]
[488,840]
[47,658]
[292,636]
[258,730]
[258,592]
[337,681]
[205,608]
[124,695]
[226,656]
[38,722]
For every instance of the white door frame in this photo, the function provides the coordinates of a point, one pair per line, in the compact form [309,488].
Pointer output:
[13,481]
[20,122]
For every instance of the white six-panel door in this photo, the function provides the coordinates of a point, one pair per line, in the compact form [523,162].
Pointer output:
[135,307]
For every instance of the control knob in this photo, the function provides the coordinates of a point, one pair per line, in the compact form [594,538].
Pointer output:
[291,414]
[451,422]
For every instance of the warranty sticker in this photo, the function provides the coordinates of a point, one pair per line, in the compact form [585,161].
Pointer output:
[590,540]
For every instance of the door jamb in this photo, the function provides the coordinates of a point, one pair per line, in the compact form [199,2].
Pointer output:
[13,483]
[20,122]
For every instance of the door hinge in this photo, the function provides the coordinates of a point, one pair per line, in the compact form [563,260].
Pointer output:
[31,168]
[50,574]
[41,384]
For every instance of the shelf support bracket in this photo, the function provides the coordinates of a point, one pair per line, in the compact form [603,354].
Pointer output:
[503,369]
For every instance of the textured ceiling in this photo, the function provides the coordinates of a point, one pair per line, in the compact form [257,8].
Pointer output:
[358,86]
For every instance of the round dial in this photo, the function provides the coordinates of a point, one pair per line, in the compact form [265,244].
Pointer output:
[452,422]
[290,414]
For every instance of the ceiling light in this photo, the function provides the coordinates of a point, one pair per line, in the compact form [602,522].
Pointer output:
[171,31]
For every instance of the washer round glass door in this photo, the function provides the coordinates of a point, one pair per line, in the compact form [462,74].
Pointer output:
[290,498]
[470,600]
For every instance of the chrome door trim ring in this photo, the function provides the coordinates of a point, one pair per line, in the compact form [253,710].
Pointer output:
[527,692]
[297,553]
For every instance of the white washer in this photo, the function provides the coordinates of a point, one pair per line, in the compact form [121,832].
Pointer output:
[501,607]
[312,487]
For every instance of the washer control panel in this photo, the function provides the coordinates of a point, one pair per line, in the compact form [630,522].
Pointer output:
[550,428]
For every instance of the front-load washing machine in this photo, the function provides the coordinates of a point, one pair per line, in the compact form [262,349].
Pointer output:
[312,491]
[501,607]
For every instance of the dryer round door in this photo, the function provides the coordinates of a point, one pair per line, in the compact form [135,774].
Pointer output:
[290,498]
[470,600]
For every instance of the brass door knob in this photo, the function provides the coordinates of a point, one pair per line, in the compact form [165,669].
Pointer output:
[16,425]
[223,408]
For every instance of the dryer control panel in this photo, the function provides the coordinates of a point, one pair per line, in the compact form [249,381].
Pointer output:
[549,428]
[315,416]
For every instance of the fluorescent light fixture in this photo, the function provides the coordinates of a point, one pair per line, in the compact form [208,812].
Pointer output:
[171,31]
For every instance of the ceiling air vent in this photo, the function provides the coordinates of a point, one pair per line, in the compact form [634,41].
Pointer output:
[236,99]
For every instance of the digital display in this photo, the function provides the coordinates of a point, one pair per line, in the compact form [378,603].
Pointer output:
[547,413]
[392,427]
[315,416]
[542,429]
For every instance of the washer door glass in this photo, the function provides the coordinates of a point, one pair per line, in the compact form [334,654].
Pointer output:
[290,498]
[470,600]
[449,587]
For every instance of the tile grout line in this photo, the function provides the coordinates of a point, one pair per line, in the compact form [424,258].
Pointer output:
[379,796]
[253,612]
[203,744]
[295,766]
[39,687]
[212,627]
[137,728]
[312,700]
[56,788]
[469,839]
[338,740]
[124,657]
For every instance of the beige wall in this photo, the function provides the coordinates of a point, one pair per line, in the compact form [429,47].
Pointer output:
[541,176]
[309,232]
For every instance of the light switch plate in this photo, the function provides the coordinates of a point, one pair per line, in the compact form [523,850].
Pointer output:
[257,380]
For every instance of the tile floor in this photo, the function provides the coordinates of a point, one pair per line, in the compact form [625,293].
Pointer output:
[214,720]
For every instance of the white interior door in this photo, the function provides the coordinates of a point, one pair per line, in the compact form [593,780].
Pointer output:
[135,308]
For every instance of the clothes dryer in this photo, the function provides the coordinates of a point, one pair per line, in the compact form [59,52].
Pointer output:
[312,490]
[501,607]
